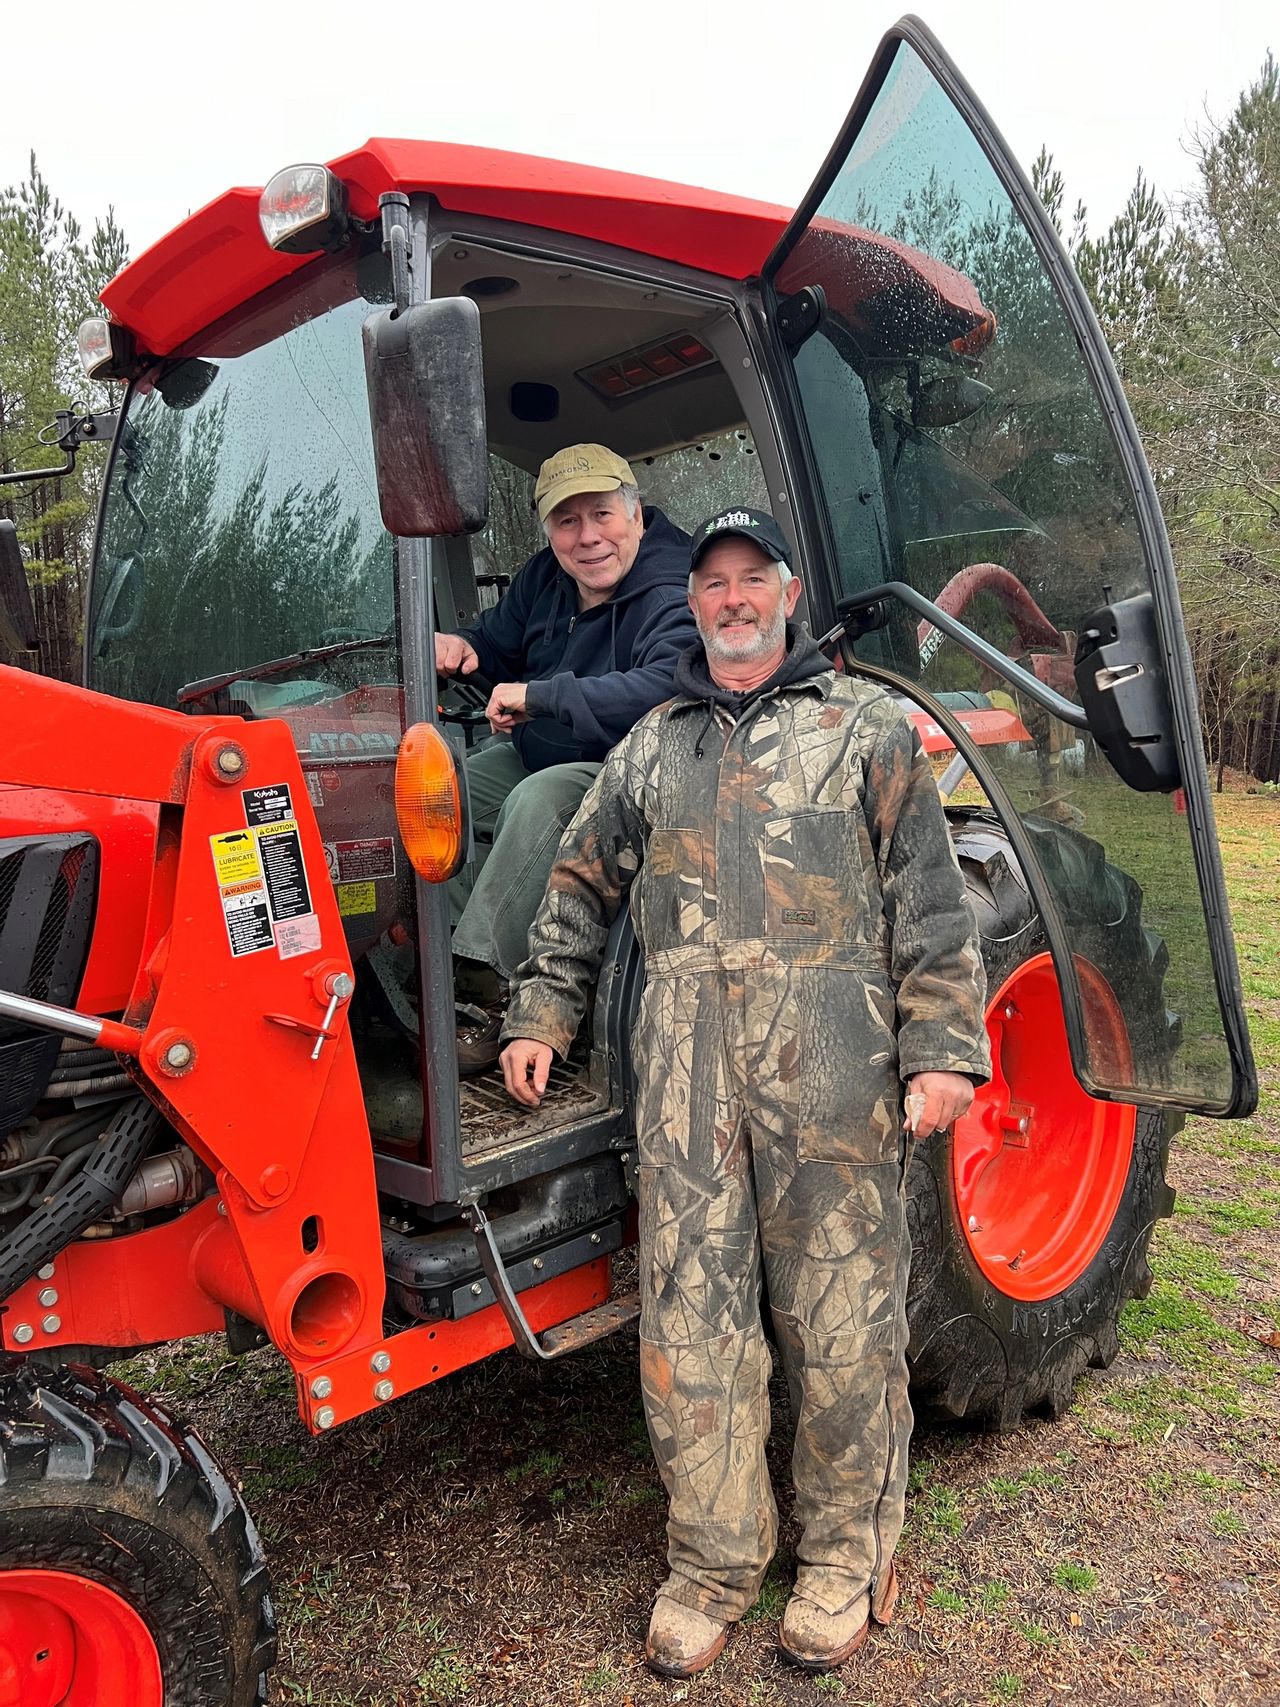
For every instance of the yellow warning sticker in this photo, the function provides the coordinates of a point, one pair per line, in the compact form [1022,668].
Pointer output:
[235,858]
[356,898]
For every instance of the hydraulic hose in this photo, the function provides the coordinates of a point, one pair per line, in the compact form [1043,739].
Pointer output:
[81,1200]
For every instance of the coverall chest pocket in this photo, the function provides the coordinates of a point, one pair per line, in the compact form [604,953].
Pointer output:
[814,878]
[848,1091]
[671,911]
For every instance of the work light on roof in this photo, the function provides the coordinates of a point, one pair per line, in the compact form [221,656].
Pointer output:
[105,348]
[303,211]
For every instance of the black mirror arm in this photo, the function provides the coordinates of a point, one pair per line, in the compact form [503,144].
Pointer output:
[862,612]
[68,431]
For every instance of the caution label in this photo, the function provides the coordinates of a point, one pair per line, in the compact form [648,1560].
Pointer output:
[358,861]
[280,850]
[356,898]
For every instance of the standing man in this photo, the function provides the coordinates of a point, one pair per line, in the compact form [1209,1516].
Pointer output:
[809,951]
[581,645]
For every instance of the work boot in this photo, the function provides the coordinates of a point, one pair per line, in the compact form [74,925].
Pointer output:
[479,1039]
[819,1641]
[682,1641]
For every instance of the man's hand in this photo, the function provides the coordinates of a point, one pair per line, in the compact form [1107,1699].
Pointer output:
[525,1066]
[455,656]
[506,706]
[946,1096]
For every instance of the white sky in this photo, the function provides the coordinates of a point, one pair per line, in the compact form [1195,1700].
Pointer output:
[157,107]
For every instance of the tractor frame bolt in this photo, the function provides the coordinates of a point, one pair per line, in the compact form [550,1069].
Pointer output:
[595,1238]
[325,1417]
[341,985]
[538,1263]
[476,1288]
[23,1334]
[47,1295]
[382,1391]
[51,1324]
[321,1387]
[45,1273]
[230,761]
[380,1362]
[1009,1010]
[975,1226]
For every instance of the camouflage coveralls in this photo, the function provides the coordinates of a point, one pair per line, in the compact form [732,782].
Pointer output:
[808,946]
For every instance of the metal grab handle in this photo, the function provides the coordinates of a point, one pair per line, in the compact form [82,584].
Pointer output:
[990,655]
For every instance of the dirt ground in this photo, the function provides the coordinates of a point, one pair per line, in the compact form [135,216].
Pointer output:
[497,1539]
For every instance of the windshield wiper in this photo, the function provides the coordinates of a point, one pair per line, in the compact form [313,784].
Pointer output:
[194,692]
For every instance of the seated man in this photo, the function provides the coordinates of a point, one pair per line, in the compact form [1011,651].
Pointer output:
[581,645]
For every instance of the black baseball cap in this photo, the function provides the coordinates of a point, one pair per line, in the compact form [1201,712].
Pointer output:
[755,525]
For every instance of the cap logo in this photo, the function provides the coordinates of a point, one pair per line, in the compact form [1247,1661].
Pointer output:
[730,519]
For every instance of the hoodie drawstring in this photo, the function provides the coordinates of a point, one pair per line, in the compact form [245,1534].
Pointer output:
[711,717]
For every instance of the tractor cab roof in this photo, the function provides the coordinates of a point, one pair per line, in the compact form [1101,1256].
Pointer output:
[217,259]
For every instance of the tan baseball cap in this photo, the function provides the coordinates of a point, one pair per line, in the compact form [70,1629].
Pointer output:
[579,468]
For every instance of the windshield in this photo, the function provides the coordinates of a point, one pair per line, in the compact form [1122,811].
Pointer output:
[240,521]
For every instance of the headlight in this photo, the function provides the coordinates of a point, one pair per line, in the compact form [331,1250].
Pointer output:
[303,211]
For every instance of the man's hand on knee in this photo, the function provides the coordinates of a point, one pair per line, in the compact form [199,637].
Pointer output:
[455,656]
[525,1066]
[941,1098]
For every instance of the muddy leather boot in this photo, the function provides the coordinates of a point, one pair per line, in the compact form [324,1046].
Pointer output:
[819,1641]
[682,1641]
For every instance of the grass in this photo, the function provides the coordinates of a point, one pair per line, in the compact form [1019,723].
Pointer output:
[1076,1579]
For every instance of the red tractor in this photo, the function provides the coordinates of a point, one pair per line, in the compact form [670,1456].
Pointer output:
[229,1098]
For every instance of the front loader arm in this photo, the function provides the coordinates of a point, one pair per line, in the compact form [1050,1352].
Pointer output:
[238,1013]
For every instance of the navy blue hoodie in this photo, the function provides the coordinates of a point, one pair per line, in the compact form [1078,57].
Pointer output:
[592,674]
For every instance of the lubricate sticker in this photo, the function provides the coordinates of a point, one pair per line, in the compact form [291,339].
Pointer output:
[235,858]
[358,861]
[356,898]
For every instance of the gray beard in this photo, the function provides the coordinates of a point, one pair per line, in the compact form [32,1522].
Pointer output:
[766,639]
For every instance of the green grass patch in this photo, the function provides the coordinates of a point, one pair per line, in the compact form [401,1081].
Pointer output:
[1036,1634]
[947,1600]
[1007,1686]
[1005,1490]
[1077,1579]
[993,1595]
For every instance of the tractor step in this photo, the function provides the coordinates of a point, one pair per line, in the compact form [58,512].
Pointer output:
[565,1337]
[591,1325]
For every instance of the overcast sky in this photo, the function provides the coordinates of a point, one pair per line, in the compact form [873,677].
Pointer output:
[157,112]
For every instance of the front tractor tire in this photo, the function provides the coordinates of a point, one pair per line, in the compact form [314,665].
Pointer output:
[130,1572]
[1030,1222]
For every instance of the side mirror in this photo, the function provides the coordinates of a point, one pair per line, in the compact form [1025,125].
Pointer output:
[1120,678]
[426,407]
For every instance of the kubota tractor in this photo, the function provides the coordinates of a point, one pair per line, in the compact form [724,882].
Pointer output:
[228,1090]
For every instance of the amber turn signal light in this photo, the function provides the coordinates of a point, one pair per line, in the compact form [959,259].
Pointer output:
[429,803]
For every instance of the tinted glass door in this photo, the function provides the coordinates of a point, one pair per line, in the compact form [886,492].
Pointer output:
[967,435]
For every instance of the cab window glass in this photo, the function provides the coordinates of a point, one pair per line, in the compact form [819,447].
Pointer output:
[961,447]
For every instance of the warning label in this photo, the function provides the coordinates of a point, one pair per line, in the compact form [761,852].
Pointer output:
[267,805]
[281,853]
[315,788]
[358,861]
[248,920]
[356,898]
[235,858]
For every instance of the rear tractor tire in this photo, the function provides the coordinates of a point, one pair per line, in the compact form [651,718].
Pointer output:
[1030,1222]
[130,1571]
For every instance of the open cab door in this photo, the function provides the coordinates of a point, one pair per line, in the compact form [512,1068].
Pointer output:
[971,458]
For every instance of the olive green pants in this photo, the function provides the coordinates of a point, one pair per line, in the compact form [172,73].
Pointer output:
[494,898]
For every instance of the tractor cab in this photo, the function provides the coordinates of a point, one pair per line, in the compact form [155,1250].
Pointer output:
[339,391]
